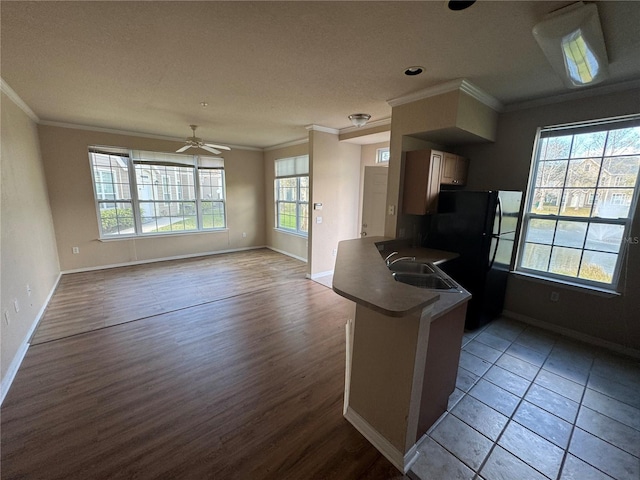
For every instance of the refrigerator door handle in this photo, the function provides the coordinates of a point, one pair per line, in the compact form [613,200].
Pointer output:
[499,217]
[497,237]
[495,252]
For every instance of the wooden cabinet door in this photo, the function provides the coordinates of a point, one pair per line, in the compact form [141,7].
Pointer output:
[421,182]
[454,170]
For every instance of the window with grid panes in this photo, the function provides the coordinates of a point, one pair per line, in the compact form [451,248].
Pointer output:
[292,194]
[171,193]
[581,199]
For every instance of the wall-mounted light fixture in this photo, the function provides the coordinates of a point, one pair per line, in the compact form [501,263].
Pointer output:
[571,39]
[359,119]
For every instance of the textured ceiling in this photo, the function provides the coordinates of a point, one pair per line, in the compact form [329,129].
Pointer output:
[268,69]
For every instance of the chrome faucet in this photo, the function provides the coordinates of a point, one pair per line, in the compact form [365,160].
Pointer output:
[413,259]
[386,260]
[389,262]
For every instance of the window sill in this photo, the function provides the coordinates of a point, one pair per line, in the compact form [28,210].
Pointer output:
[162,235]
[590,289]
[289,232]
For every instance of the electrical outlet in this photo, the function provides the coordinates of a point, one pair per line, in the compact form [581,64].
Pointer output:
[75,250]
[392,210]
[334,252]
[318,219]
[244,234]
[554,297]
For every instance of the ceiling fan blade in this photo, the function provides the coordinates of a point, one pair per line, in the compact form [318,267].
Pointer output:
[221,147]
[180,150]
[209,149]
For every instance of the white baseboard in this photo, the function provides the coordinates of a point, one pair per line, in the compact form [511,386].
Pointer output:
[391,453]
[162,259]
[583,337]
[287,254]
[321,274]
[8,378]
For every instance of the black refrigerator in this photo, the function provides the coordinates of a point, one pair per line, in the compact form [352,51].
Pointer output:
[481,228]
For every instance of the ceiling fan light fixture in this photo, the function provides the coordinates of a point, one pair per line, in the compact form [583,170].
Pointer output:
[197,142]
[359,119]
[572,40]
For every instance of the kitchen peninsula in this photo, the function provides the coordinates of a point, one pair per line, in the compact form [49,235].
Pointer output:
[403,346]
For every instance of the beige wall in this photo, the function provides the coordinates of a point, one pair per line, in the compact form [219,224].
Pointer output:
[419,124]
[284,242]
[335,180]
[74,214]
[505,165]
[433,113]
[28,243]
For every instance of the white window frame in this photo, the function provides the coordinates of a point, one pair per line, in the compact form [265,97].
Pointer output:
[626,222]
[383,155]
[292,168]
[133,159]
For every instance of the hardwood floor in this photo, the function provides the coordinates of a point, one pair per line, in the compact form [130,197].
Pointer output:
[223,367]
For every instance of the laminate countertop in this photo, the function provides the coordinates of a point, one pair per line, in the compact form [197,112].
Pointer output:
[361,275]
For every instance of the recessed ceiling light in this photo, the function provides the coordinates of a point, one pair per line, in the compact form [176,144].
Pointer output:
[457,5]
[412,71]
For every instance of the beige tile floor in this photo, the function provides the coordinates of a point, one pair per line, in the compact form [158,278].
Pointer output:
[533,405]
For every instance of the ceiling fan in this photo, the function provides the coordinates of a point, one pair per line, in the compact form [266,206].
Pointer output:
[195,142]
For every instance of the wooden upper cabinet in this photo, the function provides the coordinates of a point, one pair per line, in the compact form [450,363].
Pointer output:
[421,182]
[454,170]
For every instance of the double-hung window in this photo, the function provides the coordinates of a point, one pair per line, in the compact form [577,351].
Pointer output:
[141,193]
[582,195]
[292,194]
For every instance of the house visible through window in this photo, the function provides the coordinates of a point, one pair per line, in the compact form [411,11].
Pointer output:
[140,193]
[582,195]
[292,194]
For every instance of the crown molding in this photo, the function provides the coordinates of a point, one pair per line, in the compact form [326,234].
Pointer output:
[287,144]
[483,97]
[134,134]
[320,128]
[453,85]
[574,95]
[15,98]
[376,123]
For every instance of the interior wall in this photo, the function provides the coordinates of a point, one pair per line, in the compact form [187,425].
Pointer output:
[290,244]
[505,164]
[433,113]
[29,255]
[335,177]
[70,187]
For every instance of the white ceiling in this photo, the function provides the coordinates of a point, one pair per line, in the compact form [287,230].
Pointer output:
[268,69]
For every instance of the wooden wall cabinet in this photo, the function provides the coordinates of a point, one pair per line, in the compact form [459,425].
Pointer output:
[421,181]
[454,170]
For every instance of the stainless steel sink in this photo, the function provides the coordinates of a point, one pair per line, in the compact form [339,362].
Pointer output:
[410,266]
[424,280]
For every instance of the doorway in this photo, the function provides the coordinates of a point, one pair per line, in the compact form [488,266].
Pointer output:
[374,200]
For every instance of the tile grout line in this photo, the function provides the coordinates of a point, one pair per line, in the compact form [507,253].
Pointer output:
[510,418]
[573,425]
[521,400]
